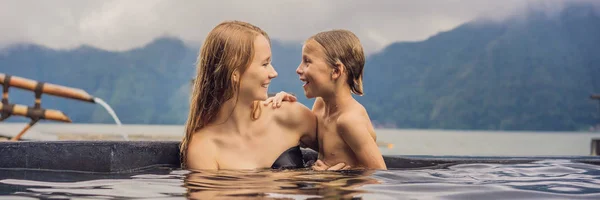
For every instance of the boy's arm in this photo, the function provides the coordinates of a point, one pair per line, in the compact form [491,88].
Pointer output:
[278,98]
[353,130]
[284,96]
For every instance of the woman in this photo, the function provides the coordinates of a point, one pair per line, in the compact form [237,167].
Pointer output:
[227,126]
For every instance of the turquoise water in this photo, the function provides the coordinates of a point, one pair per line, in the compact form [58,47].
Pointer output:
[548,179]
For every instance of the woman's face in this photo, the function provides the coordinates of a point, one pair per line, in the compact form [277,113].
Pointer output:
[254,83]
[314,70]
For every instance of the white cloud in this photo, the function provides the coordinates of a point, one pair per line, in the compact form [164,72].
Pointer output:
[125,24]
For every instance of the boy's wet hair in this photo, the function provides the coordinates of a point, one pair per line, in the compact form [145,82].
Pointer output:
[343,46]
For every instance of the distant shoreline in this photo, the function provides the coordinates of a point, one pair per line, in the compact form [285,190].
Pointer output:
[395,141]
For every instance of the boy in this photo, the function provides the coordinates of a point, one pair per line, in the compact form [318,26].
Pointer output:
[332,69]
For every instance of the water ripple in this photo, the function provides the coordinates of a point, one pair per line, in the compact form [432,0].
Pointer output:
[548,179]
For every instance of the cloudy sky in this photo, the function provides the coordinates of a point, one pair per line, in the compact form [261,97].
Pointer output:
[126,24]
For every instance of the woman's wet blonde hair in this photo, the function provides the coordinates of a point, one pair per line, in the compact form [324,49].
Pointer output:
[228,47]
[344,47]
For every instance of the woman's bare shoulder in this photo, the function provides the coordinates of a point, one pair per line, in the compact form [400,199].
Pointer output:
[203,140]
[291,113]
[202,151]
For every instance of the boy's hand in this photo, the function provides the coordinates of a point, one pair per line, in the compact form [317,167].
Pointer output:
[321,166]
[280,97]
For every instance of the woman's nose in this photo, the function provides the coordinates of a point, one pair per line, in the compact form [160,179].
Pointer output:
[273,73]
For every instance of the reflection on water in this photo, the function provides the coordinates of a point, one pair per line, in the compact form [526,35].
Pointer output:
[292,184]
[550,179]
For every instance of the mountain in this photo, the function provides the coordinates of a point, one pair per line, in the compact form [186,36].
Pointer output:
[530,73]
[143,85]
[535,73]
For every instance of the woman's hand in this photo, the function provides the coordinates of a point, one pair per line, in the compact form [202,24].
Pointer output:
[280,97]
[321,166]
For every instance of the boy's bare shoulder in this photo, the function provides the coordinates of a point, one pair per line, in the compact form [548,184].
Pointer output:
[355,117]
[351,120]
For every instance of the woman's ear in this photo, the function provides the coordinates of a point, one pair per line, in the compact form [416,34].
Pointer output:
[235,77]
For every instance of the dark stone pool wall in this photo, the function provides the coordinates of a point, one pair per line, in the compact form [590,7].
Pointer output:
[130,156]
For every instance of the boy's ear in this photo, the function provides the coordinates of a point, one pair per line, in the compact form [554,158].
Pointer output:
[337,71]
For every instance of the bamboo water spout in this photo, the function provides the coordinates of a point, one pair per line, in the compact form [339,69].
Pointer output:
[25,111]
[36,112]
[46,88]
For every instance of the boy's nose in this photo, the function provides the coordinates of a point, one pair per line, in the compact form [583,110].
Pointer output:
[299,70]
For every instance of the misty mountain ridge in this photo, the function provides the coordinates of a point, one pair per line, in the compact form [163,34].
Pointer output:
[534,72]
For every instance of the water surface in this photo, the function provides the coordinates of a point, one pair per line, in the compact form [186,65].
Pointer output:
[548,179]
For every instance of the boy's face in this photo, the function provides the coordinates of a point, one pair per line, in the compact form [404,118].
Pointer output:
[314,70]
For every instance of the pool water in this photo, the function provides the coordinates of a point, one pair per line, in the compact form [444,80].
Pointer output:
[547,179]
